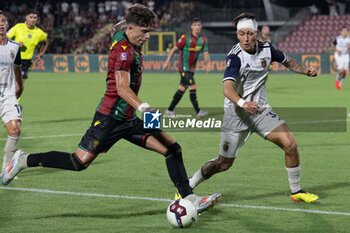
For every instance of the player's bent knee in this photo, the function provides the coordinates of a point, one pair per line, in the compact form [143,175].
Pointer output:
[193,87]
[224,166]
[176,148]
[14,130]
[291,147]
[182,88]
[77,163]
[225,163]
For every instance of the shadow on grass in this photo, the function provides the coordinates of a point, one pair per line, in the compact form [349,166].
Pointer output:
[52,121]
[44,170]
[319,190]
[120,215]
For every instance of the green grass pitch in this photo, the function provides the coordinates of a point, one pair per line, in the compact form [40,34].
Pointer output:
[128,189]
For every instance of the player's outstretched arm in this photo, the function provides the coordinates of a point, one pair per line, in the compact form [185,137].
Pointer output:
[207,61]
[170,56]
[296,67]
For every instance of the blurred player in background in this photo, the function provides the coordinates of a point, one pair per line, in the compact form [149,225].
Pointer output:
[11,87]
[29,36]
[115,117]
[246,109]
[264,34]
[341,56]
[190,45]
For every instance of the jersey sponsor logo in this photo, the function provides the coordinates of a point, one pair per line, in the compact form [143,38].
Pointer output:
[124,47]
[123,56]
[196,49]
[151,120]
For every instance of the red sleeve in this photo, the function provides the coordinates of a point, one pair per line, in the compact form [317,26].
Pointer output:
[123,56]
[181,42]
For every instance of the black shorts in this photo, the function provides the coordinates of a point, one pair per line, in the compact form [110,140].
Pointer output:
[187,79]
[26,65]
[105,131]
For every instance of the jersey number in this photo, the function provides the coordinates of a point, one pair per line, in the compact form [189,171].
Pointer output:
[19,108]
[272,115]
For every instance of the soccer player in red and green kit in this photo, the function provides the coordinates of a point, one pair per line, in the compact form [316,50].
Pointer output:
[189,46]
[115,116]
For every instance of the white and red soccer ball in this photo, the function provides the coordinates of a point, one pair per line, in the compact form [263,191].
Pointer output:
[181,213]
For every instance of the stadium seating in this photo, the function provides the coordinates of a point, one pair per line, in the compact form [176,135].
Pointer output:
[314,35]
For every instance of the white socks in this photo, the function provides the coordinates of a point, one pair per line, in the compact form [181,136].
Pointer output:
[9,149]
[197,178]
[294,178]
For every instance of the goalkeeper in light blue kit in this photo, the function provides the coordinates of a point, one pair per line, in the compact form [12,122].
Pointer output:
[247,110]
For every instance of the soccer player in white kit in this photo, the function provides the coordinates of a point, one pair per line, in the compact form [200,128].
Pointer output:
[246,108]
[11,87]
[341,56]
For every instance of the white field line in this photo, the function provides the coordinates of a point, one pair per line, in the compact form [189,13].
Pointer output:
[81,134]
[100,195]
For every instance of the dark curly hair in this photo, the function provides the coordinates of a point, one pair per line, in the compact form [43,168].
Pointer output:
[140,15]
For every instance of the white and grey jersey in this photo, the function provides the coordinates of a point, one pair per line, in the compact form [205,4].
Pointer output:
[342,44]
[9,56]
[249,71]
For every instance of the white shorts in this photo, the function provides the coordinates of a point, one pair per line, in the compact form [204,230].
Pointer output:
[238,126]
[342,61]
[10,109]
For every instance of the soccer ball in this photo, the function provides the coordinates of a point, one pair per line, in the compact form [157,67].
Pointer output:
[181,213]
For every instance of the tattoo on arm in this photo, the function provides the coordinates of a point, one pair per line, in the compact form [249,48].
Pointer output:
[294,66]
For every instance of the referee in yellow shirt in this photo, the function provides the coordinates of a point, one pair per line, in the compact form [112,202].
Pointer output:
[29,36]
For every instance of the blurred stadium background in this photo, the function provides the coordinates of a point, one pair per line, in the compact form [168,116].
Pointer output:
[83,27]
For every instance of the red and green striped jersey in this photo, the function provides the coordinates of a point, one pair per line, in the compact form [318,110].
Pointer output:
[190,47]
[127,57]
